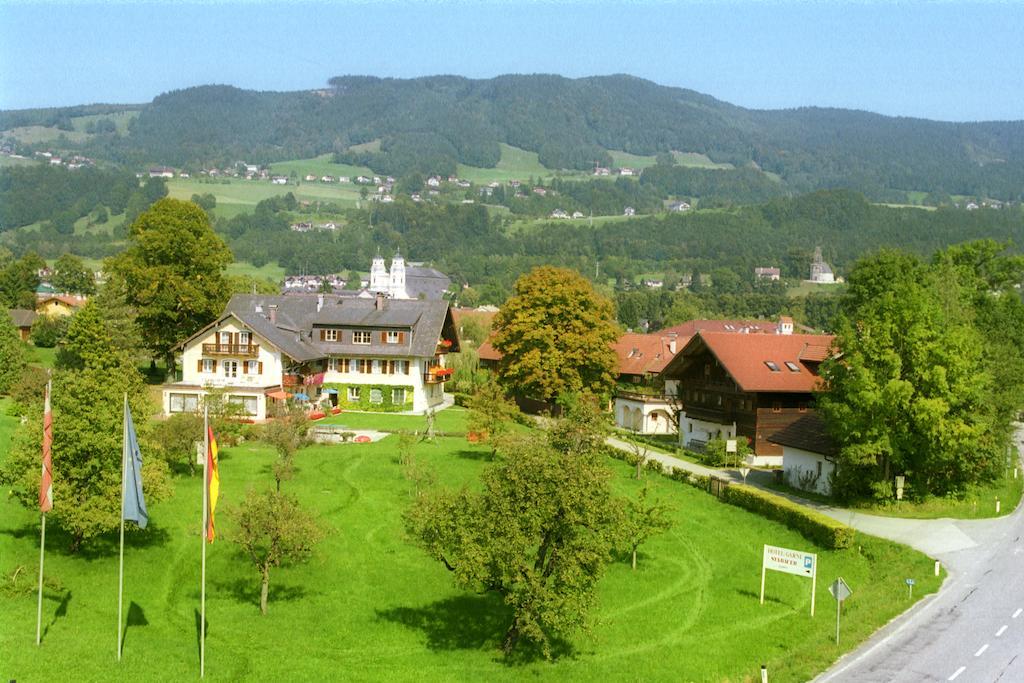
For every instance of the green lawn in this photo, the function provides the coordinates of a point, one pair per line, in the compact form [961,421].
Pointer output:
[371,606]
[40,356]
[451,420]
[977,503]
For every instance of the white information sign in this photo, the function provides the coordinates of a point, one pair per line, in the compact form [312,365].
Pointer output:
[730,446]
[791,562]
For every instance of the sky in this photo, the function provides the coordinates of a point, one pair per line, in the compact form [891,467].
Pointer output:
[953,61]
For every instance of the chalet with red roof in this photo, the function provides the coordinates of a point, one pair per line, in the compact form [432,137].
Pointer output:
[746,385]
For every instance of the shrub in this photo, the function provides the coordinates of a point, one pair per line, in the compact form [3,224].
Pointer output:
[48,330]
[815,526]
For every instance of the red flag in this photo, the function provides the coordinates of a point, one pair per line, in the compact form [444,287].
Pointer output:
[212,483]
[46,480]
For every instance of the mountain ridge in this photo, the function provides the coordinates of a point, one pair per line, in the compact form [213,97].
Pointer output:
[432,123]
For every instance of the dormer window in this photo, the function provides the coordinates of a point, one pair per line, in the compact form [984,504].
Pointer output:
[793,367]
[772,366]
[360,337]
[330,335]
[393,337]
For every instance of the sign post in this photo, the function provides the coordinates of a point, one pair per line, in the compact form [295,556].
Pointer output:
[840,591]
[910,587]
[791,562]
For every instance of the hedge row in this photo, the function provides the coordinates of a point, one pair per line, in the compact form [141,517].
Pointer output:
[819,528]
[815,526]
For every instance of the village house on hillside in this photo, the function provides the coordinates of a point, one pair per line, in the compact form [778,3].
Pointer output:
[746,385]
[376,354]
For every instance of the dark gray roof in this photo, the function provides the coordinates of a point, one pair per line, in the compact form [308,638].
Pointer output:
[809,433]
[432,284]
[296,330]
[23,317]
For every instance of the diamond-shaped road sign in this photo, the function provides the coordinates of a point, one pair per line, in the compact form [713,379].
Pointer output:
[839,590]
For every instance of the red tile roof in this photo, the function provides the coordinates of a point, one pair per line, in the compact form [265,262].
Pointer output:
[745,357]
[641,354]
[488,352]
[692,327]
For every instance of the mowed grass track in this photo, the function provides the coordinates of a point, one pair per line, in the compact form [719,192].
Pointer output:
[371,606]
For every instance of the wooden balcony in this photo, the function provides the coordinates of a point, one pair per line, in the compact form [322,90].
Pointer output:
[437,375]
[236,350]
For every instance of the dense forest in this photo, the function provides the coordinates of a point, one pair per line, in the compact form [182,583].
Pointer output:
[430,124]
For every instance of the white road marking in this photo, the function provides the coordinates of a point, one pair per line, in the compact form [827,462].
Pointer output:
[1001,630]
[956,673]
[981,651]
[1017,613]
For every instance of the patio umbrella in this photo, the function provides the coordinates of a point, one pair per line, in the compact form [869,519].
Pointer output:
[300,396]
[330,391]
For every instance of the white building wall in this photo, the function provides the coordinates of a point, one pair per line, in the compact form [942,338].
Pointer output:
[691,428]
[796,461]
[645,417]
[268,355]
[424,395]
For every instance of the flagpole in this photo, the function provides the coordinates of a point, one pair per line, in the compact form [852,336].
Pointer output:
[202,536]
[120,575]
[42,523]
[39,611]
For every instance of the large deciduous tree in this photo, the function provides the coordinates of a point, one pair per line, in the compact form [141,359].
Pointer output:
[555,335]
[539,533]
[12,352]
[71,275]
[174,273]
[87,404]
[273,530]
[910,393]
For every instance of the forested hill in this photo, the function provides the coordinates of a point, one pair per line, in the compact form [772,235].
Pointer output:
[429,124]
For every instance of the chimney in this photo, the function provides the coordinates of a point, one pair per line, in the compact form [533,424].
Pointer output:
[672,343]
[319,302]
[272,308]
[379,303]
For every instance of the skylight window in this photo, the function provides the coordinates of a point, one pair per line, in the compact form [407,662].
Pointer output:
[793,367]
[772,366]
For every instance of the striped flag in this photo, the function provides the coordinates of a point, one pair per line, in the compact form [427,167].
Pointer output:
[46,480]
[212,483]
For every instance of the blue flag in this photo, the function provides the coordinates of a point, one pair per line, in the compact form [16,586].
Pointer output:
[134,507]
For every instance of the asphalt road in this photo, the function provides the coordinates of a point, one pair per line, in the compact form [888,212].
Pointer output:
[972,630]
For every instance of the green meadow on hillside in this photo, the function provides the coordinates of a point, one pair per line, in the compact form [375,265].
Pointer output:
[237,196]
[515,164]
[371,606]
